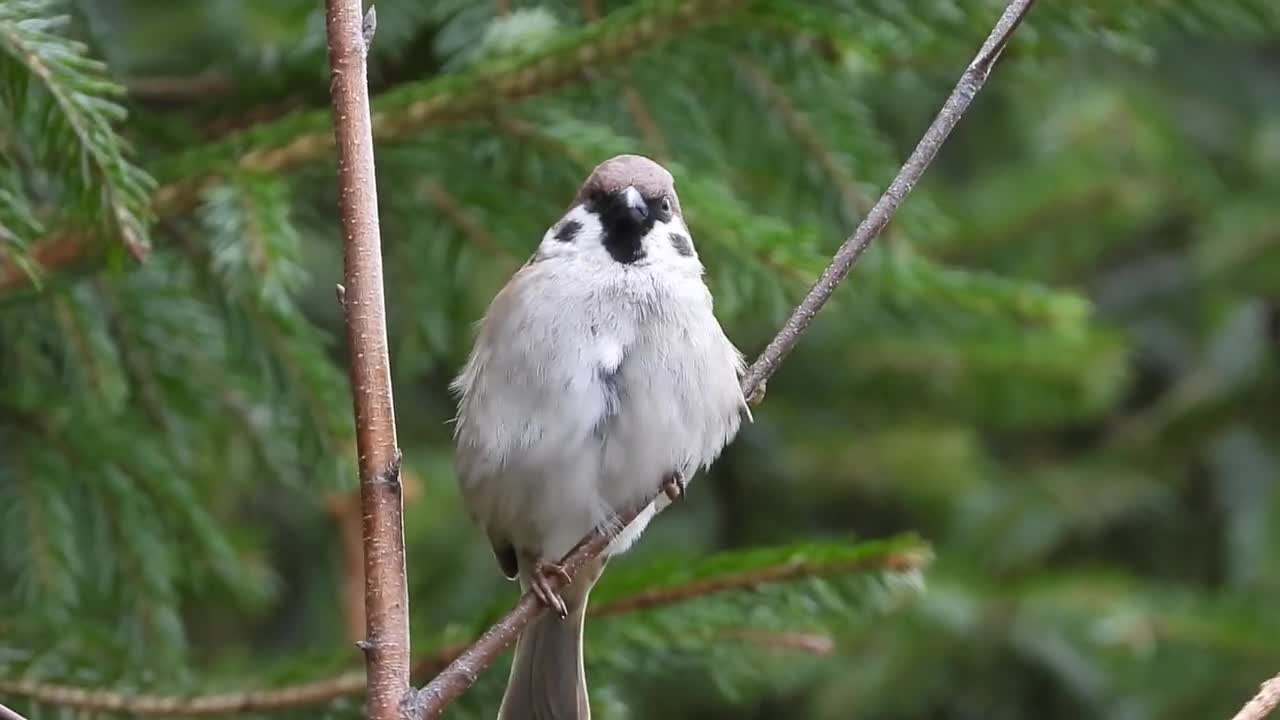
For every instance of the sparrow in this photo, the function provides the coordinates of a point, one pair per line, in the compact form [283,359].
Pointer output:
[599,373]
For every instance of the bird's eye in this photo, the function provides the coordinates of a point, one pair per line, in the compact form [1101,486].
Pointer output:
[666,205]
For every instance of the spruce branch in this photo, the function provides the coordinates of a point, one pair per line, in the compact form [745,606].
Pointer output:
[79,130]
[470,228]
[603,142]
[386,643]
[637,108]
[1262,704]
[896,556]
[446,687]
[896,562]
[462,671]
[853,199]
[304,137]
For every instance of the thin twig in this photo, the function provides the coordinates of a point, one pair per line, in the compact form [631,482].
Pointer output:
[952,110]
[806,642]
[257,701]
[462,673]
[386,598]
[178,88]
[1262,704]
[463,670]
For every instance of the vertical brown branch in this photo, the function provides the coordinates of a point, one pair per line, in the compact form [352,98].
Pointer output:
[386,644]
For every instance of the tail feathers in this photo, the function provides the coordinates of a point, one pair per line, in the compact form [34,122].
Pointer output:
[548,679]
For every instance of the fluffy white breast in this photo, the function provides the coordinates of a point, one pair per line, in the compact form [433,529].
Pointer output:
[590,380]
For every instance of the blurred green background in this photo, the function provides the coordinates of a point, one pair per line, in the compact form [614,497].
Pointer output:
[1024,465]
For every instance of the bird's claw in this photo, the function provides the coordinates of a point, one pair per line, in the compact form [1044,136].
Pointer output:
[674,485]
[542,586]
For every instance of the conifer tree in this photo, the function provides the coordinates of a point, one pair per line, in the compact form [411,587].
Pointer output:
[1024,463]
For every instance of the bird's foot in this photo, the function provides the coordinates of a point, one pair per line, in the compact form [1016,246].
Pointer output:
[544,587]
[674,485]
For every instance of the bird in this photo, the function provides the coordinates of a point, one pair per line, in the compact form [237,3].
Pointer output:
[599,374]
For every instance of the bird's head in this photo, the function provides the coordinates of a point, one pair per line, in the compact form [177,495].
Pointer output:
[626,212]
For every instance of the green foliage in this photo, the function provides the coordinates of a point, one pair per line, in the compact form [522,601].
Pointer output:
[66,152]
[1058,366]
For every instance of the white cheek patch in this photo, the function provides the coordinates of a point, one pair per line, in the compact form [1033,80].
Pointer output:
[574,234]
[577,224]
[670,240]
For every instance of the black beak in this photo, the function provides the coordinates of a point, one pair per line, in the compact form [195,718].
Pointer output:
[635,204]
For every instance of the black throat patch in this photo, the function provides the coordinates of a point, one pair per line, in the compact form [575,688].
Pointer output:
[620,233]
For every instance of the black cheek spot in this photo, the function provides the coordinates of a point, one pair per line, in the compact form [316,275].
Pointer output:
[568,231]
[681,244]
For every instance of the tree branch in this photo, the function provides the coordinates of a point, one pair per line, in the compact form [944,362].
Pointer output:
[637,108]
[386,599]
[457,215]
[299,138]
[257,701]
[662,597]
[882,212]
[463,670]
[431,701]
[1262,704]
[854,201]
[795,642]
[352,683]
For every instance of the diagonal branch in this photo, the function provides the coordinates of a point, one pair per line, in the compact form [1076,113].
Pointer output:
[883,211]
[463,669]
[431,701]
[301,138]
[7,714]
[386,595]
[1262,704]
